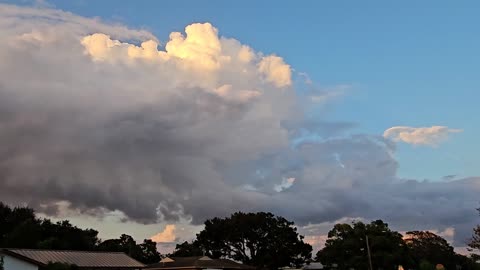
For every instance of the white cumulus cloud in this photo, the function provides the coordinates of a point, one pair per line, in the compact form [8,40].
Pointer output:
[430,136]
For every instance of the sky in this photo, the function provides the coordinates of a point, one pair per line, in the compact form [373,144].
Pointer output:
[147,118]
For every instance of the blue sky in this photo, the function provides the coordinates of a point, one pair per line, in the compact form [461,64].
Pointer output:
[412,63]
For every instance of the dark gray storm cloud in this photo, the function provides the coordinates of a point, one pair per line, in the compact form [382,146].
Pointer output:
[108,125]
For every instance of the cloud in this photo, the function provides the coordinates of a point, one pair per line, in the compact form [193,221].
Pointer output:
[430,136]
[285,184]
[111,119]
[165,236]
[275,70]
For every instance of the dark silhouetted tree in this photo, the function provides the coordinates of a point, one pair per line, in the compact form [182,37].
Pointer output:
[474,243]
[146,252]
[21,229]
[427,246]
[149,252]
[258,239]
[187,249]
[346,247]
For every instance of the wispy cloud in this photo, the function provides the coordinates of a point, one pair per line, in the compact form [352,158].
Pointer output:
[429,136]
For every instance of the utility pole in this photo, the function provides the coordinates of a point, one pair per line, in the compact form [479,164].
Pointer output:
[368,252]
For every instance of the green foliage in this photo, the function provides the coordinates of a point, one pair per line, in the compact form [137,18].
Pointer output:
[59,266]
[258,239]
[475,240]
[146,252]
[149,252]
[346,247]
[187,249]
[20,228]
[467,263]
[1,262]
[426,265]
[427,246]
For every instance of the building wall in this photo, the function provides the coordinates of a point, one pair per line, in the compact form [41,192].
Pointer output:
[11,263]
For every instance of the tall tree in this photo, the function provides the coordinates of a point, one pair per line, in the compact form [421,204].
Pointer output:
[258,239]
[346,247]
[427,246]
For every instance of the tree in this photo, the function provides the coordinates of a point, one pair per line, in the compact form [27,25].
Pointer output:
[187,249]
[146,252]
[258,239]
[149,251]
[346,247]
[475,240]
[466,263]
[427,246]
[125,244]
[425,265]
[63,235]
[20,228]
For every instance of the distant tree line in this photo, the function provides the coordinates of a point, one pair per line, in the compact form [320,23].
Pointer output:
[269,242]
[258,239]
[346,248]
[20,228]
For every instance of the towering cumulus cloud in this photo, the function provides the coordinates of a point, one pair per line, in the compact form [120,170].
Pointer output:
[102,117]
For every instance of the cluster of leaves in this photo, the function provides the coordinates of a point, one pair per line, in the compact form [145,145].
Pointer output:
[346,248]
[428,248]
[474,243]
[145,252]
[258,239]
[20,228]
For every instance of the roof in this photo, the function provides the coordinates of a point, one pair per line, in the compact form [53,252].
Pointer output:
[197,262]
[83,259]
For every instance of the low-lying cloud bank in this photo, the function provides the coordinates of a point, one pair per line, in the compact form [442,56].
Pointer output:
[106,118]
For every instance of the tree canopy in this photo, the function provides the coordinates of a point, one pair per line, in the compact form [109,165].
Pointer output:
[145,252]
[187,249]
[20,228]
[258,239]
[475,240]
[429,247]
[346,247]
